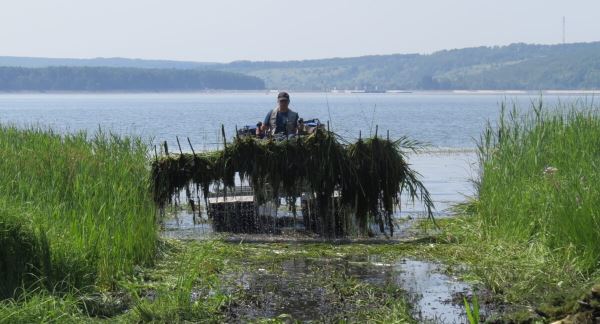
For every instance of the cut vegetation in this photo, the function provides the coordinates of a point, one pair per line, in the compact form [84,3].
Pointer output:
[368,177]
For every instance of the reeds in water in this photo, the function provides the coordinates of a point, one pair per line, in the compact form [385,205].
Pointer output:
[369,176]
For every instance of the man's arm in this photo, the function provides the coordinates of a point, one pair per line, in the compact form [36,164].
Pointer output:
[267,122]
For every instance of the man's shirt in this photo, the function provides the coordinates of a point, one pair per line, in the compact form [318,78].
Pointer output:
[281,120]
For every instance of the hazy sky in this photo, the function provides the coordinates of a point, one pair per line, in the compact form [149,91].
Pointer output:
[227,30]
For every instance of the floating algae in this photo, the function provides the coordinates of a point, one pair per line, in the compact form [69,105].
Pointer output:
[348,185]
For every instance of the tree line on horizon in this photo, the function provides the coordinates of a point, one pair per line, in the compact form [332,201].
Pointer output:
[69,78]
[512,67]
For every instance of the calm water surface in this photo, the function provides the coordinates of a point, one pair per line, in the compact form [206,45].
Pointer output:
[443,120]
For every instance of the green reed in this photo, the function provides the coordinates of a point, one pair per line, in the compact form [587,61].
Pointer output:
[539,182]
[371,176]
[84,201]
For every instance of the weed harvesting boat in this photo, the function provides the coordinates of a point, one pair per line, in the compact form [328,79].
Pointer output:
[344,188]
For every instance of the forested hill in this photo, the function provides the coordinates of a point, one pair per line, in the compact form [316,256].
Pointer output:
[517,66]
[122,79]
[36,62]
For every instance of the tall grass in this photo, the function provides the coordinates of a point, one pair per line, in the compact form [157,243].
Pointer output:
[84,202]
[539,183]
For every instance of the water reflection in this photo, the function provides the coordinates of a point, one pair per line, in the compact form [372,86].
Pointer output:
[295,287]
[434,295]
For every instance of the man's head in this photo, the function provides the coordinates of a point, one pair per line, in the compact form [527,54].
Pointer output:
[283,99]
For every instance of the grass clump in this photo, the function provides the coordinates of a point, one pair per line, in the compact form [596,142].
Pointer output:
[23,254]
[42,307]
[539,183]
[77,206]
[532,234]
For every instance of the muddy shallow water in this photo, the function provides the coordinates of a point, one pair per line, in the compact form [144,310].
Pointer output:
[290,292]
[435,296]
[295,289]
[303,289]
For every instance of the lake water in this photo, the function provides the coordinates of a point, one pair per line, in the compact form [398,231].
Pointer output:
[448,122]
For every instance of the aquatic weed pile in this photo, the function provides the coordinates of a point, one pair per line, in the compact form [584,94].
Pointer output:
[369,176]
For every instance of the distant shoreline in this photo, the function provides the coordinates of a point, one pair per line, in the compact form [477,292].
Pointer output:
[336,93]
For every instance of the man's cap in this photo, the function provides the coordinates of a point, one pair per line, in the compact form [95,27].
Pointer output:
[283,96]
